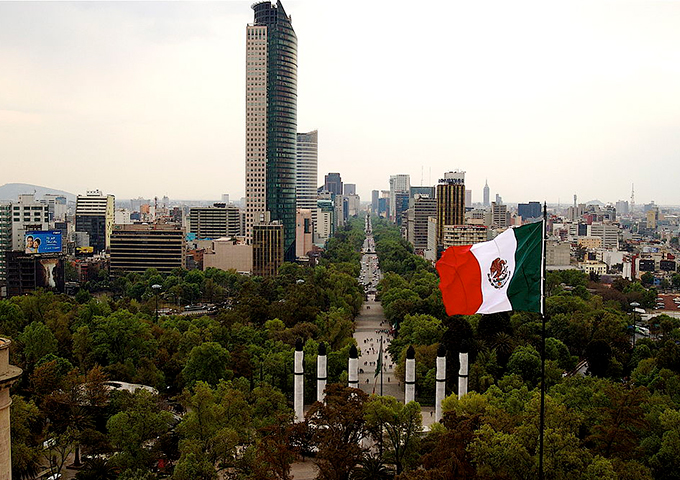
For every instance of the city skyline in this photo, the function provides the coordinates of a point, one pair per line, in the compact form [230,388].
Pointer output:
[544,101]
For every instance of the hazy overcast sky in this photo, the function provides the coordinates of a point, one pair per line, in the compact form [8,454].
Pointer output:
[544,99]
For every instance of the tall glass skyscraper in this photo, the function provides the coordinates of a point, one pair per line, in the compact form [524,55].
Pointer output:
[271,121]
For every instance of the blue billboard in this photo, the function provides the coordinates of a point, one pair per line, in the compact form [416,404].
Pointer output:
[43,242]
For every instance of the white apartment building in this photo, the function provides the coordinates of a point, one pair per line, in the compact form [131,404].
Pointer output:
[323,227]
[306,173]
[607,232]
[398,183]
[95,215]
[256,126]
[28,214]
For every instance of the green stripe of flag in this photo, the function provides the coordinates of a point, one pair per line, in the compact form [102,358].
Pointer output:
[524,290]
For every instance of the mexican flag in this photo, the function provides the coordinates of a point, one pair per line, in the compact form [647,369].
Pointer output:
[495,276]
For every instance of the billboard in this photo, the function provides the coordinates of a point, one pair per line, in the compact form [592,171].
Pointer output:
[84,250]
[43,242]
[49,274]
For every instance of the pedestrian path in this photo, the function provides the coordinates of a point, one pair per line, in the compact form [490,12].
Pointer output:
[369,327]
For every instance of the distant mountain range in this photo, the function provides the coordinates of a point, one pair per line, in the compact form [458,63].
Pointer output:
[11,191]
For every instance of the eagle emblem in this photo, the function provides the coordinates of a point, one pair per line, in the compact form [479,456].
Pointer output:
[498,273]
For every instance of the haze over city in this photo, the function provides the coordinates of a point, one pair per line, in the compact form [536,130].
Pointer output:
[543,100]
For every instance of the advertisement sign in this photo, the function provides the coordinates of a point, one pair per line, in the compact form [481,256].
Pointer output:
[50,274]
[43,242]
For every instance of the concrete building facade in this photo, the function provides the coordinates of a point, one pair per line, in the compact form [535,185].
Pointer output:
[8,375]
[5,238]
[307,171]
[267,249]
[227,254]
[400,183]
[28,214]
[136,248]
[219,220]
[95,214]
[417,219]
[450,202]
[333,183]
[456,235]
[304,233]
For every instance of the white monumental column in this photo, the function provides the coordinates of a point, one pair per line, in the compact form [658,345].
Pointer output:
[299,391]
[353,368]
[321,372]
[463,375]
[440,382]
[410,382]
[8,375]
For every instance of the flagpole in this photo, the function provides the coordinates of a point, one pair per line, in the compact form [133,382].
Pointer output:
[542,408]
[381,365]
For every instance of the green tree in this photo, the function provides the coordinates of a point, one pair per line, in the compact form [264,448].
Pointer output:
[208,362]
[647,279]
[526,362]
[337,427]
[36,341]
[25,429]
[139,422]
[12,319]
[395,426]
[217,422]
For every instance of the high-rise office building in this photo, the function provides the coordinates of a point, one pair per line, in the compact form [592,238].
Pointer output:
[220,220]
[401,201]
[57,206]
[421,209]
[304,235]
[136,248]
[95,213]
[422,190]
[333,183]
[500,217]
[400,183]
[307,172]
[529,210]
[487,195]
[5,238]
[375,195]
[450,202]
[267,249]
[622,207]
[27,214]
[349,189]
[271,121]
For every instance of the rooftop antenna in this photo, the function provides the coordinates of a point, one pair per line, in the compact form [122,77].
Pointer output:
[632,198]
[421,174]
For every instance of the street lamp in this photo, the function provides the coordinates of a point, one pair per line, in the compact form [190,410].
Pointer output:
[156,288]
[635,306]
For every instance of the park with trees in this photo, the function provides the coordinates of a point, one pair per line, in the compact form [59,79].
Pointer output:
[220,385]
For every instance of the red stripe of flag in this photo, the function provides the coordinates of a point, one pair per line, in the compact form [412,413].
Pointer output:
[460,281]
